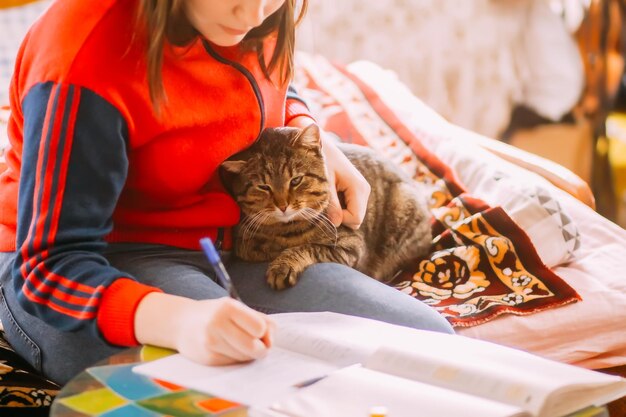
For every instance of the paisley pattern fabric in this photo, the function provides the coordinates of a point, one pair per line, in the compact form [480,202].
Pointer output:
[482,264]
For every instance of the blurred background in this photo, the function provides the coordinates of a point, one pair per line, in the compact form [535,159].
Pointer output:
[543,75]
[546,76]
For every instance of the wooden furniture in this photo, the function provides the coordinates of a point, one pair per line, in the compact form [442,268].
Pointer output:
[599,39]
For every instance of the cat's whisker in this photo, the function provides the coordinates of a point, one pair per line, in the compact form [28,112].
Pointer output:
[252,224]
[247,235]
[326,221]
[323,221]
[320,222]
[330,226]
[312,220]
[249,221]
[259,222]
[323,212]
[252,217]
[245,226]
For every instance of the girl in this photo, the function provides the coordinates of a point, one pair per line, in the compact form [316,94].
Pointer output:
[122,111]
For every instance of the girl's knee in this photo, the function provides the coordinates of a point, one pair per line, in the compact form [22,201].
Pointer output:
[437,323]
[351,292]
[332,271]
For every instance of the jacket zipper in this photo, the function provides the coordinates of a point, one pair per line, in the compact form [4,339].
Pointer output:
[249,77]
[257,92]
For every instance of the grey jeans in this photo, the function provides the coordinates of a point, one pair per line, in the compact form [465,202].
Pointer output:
[61,355]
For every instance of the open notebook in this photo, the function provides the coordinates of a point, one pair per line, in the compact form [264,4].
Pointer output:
[365,363]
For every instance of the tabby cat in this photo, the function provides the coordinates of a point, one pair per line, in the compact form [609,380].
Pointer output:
[280,184]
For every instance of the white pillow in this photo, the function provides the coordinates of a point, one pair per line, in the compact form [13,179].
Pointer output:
[526,198]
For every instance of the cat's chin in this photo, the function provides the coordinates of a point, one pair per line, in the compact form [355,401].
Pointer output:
[291,217]
[283,218]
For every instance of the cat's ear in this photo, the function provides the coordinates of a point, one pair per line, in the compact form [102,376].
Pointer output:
[310,137]
[233,167]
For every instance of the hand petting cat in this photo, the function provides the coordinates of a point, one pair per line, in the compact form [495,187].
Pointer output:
[342,177]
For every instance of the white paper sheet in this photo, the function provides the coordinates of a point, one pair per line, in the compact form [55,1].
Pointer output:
[257,383]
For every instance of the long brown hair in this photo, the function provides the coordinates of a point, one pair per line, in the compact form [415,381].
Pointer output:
[165,21]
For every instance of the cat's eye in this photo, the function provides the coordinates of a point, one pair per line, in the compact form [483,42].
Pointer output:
[295,181]
[264,187]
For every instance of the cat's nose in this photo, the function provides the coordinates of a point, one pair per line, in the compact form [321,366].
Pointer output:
[283,207]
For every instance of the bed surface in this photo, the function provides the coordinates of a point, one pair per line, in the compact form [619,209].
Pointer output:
[590,333]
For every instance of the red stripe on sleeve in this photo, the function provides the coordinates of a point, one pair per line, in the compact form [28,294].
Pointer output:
[67,150]
[90,300]
[40,157]
[48,170]
[67,283]
[79,315]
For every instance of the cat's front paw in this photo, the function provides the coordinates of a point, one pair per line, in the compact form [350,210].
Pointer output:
[281,275]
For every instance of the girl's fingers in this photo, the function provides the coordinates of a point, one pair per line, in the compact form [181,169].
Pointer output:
[268,337]
[356,204]
[218,359]
[335,214]
[239,345]
[248,320]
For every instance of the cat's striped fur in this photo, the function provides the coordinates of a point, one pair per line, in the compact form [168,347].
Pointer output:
[280,184]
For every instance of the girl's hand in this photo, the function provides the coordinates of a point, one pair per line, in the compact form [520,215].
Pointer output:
[210,332]
[223,331]
[343,177]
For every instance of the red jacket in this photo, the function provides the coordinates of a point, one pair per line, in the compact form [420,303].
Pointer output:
[93,164]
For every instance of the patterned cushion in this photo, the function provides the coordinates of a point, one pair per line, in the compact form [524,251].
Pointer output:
[21,386]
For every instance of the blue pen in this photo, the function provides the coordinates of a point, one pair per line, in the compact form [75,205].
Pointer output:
[218,266]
